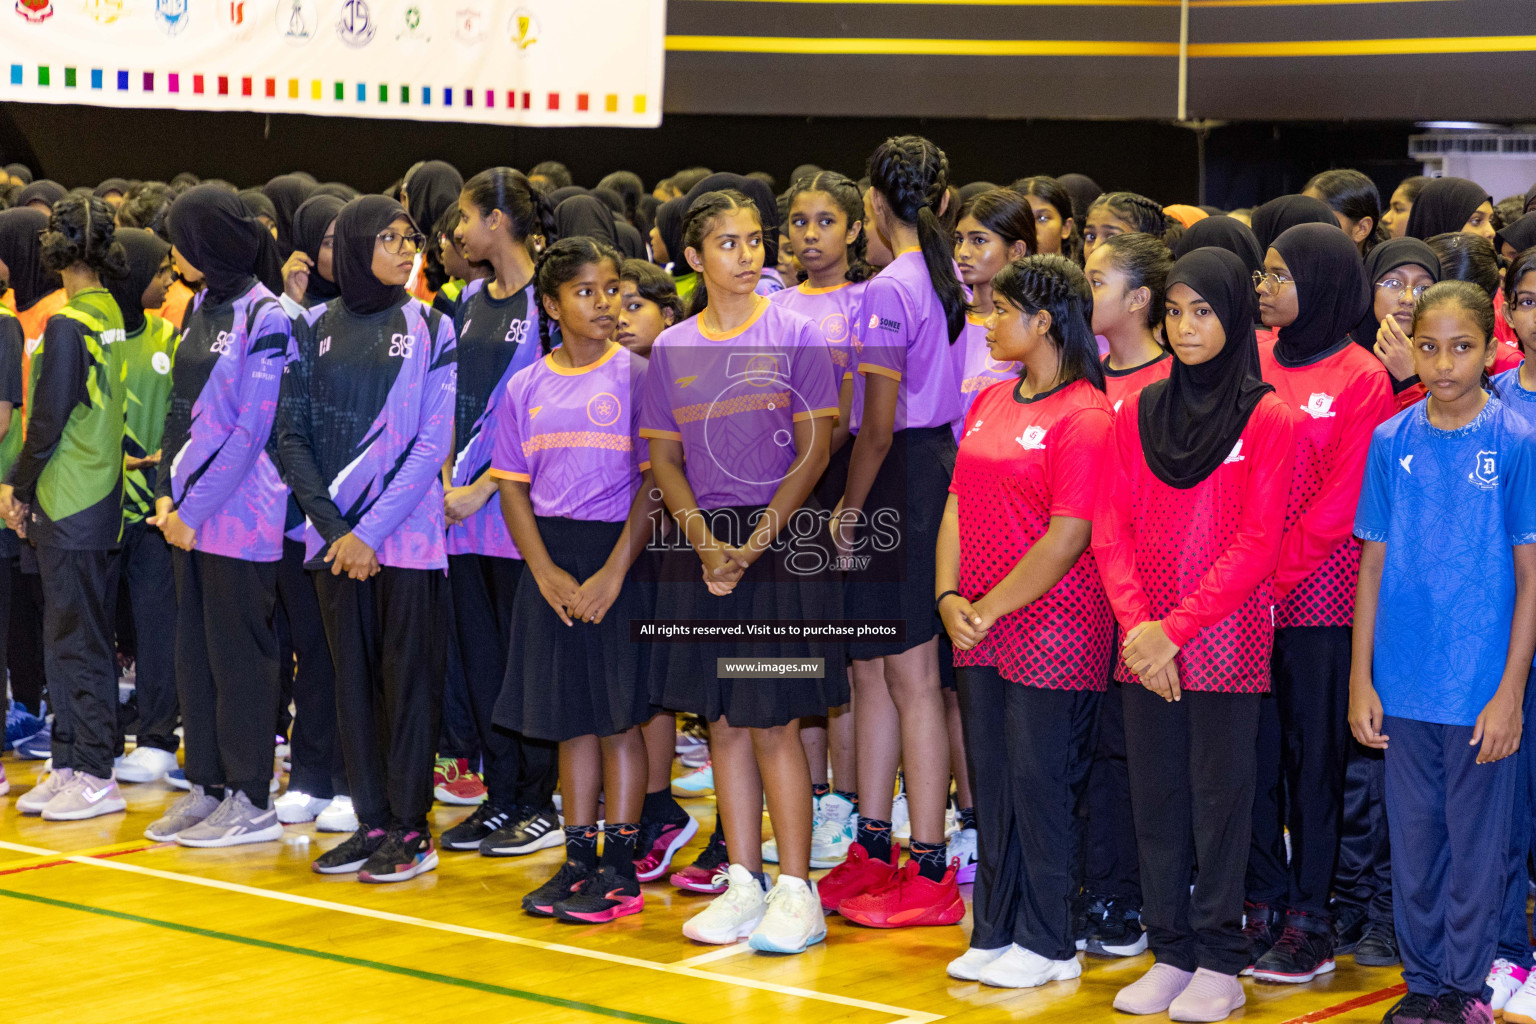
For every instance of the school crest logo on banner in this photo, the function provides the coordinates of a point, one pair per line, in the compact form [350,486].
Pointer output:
[103,12]
[35,11]
[297,20]
[413,26]
[469,23]
[355,25]
[1485,473]
[172,15]
[523,29]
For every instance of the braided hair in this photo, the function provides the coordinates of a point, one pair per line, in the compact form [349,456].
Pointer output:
[1146,263]
[507,190]
[560,263]
[1142,214]
[699,221]
[81,229]
[1057,285]
[912,176]
[848,199]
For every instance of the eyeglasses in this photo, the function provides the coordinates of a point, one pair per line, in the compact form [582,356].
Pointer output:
[1393,287]
[395,243]
[1276,281]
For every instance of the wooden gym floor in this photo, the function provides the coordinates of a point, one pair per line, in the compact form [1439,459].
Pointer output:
[101,925]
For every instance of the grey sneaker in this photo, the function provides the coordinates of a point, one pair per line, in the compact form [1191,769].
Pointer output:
[85,796]
[184,813]
[233,823]
[35,799]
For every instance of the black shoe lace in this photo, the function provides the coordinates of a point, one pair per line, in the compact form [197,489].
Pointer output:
[1450,1008]
[1258,922]
[1290,942]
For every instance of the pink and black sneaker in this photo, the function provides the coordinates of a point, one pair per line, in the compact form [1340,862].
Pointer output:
[701,874]
[570,878]
[402,856]
[659,842]
[603,897]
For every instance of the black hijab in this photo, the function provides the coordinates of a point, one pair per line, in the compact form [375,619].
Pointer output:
[762,197]
[431,189]
[1521,234]
[612,199]
[1445,204]
[340,189]
[106,188]
[973,189]
[45,190]
[146,252]
[1277,216]
[357,228]
[211,228]
[287,193]
[1389,255]
[310,220]
[1083,190]
[21,230]
[586,215]
[1331,292]
[1191,422]
[560,195]
[1221,232]
[258,205]
[669,225]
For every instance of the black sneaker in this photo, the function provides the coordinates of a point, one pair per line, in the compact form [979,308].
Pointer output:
[1349,923]
[1118,933]
[1411,1009]
[1460,1008]
[531,832]
[352,854]
[403,855]
[1378,947]
[1261,927]
[541,902]
[600,898]
[1302,952]
[473,830]
[1087,914]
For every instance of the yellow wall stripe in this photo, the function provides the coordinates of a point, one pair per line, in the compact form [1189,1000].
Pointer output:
[923,47]
[1367,47]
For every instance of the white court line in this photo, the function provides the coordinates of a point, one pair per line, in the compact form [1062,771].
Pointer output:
[904,1016]
[719,953]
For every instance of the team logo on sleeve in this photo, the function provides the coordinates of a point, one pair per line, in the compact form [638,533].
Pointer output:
[355,25]
[172,15]
[35,11]
[876,320]
[1236,454]
[296,20]
[1407,463]
[1485,473]
[1032,440]
[1319,406]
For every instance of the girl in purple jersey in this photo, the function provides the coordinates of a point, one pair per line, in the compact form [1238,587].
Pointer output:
[905,403]
[738,408]
[576,492]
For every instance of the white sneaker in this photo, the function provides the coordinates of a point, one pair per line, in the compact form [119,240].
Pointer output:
[734,914]
[962,848]
[34,800]
[86,796]
[145,764]
[338,816]
[1521,1007]
[1505,979]
[1024,968]
[832,831]
[969,965]
[793,920]
[901,821]
[295,807]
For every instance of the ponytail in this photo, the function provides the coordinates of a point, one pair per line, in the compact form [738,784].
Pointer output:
[912,175]
[698,222]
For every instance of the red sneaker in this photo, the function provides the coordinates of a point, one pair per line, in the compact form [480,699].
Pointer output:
[454,783]
[908,899]
[707,873]
[855,876]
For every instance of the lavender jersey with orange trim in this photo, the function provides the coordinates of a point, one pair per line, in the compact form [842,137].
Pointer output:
[218,454]
[905,337]
[365,425]
[497,339]
[733,399]
[572,436]
[978,370]
[836,311]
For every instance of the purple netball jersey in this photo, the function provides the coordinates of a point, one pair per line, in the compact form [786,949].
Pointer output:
[497,339]
[836,311]
[572,436]
[904,336]
[733,399]
[217,461]
[365,427]
[978,370]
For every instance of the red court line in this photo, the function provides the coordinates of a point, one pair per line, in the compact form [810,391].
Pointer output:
[63,858]
[1350,1004]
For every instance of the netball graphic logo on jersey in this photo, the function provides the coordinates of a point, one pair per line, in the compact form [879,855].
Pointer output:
[35,11]
[355,24]
[604,410]
[1236,455]
[172,15]
[523,30]
[1319,406]
[1032,440]
[1485,473]
[297,20]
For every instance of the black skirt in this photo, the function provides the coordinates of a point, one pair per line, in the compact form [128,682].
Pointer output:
[791,582]
[909,493]
[586,679]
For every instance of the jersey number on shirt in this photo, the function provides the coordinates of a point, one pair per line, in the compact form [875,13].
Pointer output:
[400,346]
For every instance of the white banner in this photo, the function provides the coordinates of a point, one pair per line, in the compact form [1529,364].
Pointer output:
[532,62]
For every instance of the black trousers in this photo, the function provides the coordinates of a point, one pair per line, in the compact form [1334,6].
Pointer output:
[388,643]
[1363,877]
[1110,869]
[519,772]
[1191,764]
[149,585]
[456,735]
[1035,748]
[78,656]
[24,645]
[226,670]
[313,746]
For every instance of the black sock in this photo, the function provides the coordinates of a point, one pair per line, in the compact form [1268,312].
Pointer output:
[820,789]
[931,859]
[719,832]
[581,844]
[660,806]
[967,817]
[852,798]
[217,792]
[619,847]
[875,836]
[260,797]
